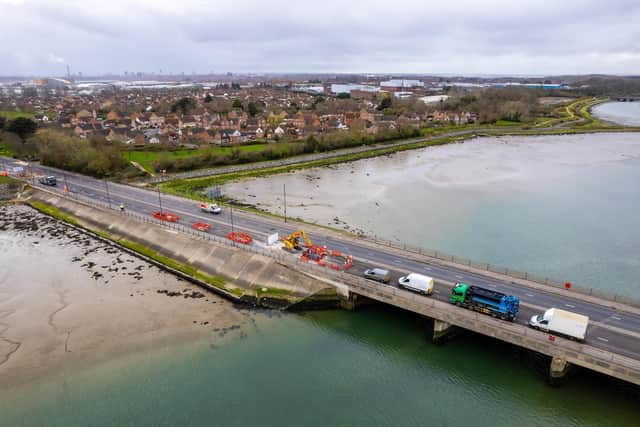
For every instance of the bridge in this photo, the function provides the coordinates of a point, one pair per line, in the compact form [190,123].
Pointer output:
[612,345]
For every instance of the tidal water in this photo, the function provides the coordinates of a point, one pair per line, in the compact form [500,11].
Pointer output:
[564,207]
[374,367]
[624,113]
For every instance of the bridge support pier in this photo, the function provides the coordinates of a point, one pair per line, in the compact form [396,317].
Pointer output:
[354,301]
[558,370]
[443,331]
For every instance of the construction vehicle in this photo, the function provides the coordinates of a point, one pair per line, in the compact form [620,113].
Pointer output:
[292,242]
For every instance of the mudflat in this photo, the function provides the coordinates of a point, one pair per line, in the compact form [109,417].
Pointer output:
[68,299]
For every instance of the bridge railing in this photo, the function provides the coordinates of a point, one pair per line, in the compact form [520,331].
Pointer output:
[580,289]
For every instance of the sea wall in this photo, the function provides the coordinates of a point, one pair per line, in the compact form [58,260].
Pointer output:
[232,272]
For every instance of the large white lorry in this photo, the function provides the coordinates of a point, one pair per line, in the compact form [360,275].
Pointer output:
[561,322]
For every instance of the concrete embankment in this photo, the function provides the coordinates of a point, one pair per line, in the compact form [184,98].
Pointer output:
[234,273]
[8,190]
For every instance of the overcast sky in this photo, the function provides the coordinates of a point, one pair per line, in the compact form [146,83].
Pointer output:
[40,37]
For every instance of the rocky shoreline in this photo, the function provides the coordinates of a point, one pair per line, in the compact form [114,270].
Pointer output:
[68,299]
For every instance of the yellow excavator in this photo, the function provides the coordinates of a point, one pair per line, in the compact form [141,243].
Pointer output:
[293,241]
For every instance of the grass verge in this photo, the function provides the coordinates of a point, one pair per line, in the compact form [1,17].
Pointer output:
[8,180]
[53,211]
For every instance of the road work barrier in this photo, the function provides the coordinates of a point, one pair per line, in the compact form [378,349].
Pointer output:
[166,216]
[240,237]
[201,226]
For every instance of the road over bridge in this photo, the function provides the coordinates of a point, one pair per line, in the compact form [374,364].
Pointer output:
[612,344]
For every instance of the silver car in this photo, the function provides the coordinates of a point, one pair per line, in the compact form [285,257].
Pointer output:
[377,274]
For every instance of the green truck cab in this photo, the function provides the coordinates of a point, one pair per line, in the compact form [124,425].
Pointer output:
[459,293]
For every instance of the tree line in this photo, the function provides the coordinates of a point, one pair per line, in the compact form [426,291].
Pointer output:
[310,144]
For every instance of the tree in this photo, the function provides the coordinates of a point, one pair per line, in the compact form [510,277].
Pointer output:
[252,109]
[208,98]
[385,103]
[184,105]
[3,121]
[23,127]
[237,104]
[343,95]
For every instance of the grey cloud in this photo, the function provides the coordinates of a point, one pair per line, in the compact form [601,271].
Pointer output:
[493,36]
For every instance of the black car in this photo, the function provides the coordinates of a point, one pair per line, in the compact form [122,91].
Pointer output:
[48,180]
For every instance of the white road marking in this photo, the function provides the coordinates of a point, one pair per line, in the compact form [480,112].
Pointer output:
[427,268]
[436,291]
[171,231]
[458,276]
[616,318]
[529,295]
[603,339]
[570,306]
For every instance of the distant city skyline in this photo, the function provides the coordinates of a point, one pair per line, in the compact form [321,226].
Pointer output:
[466,37]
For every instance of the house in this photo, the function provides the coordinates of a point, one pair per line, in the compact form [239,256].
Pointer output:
[156,120]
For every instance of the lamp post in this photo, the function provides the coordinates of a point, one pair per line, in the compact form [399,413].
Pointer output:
[231,213]
[106,187]
[159,200]
[284,190]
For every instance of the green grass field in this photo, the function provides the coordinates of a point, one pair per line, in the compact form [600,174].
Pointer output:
[148,158]
[5,150]
[507,123]
[10,115]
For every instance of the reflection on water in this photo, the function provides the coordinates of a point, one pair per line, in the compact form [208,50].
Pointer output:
[624,113]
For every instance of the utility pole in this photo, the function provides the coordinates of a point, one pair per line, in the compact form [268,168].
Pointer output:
[284,190]
[106,187]
[231,212]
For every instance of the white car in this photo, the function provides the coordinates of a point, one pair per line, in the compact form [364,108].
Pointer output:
[210,208]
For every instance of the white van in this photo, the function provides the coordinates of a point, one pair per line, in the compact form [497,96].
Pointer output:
[417,282]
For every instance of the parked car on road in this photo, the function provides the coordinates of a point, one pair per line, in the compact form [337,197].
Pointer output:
[377,274]
[48,180]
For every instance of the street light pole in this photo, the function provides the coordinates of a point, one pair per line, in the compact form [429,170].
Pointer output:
[231,211]
[159,200]
[106,187]
[284,190]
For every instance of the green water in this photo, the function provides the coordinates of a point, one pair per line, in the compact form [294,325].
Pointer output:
[374,367]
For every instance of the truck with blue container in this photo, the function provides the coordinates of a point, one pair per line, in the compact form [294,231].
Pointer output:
[485,301]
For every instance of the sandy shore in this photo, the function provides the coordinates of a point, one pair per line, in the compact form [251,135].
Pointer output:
[67,299]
